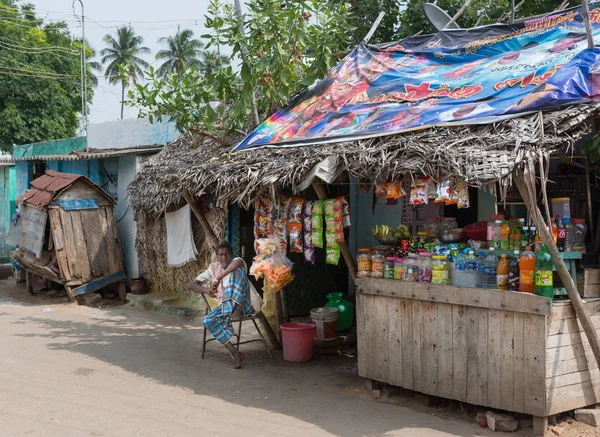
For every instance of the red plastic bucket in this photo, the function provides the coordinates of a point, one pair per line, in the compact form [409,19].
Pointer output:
[297,340]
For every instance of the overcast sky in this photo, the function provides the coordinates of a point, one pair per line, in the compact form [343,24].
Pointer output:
[151,19]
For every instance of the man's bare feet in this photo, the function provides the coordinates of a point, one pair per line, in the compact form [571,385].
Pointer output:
[237,357]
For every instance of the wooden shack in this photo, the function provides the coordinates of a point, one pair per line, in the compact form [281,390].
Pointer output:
[69,235]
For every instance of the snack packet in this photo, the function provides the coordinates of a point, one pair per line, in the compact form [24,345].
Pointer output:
[332,256]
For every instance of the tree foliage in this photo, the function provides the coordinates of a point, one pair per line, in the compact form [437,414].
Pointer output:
[287,46]
[183,52]
[40,78]
[122,54]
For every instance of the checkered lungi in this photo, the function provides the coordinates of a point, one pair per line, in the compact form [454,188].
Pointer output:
[237,292]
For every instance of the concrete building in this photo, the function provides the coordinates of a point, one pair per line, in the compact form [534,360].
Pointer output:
[111,158]
[7,201]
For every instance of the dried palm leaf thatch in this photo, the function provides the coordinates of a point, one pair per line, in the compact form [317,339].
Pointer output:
[151,243]
[479,153]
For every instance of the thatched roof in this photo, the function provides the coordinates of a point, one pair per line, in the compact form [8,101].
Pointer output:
[479,153]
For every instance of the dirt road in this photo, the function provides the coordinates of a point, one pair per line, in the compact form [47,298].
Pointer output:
[74,371]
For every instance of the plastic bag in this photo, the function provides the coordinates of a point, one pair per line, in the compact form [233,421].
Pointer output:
[332,256]
[345,213]
[444,190]
[272,264]
[461,194]
[296,243]
[420,190]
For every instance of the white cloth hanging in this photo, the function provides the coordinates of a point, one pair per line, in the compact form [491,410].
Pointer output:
[180,238]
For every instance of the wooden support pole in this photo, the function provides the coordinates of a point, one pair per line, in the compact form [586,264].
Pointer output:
[278,311]
[458,14]
[210,234]
[588,25]
[343,246]
[525,180]
[374,27]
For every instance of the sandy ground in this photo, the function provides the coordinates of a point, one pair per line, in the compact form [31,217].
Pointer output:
[75,371]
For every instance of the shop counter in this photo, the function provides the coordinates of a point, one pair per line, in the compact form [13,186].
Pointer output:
[499,349]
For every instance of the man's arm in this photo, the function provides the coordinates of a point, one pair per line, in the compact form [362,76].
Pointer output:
[235,264]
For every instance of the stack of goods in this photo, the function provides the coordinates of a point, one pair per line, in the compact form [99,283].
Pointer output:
[302,223]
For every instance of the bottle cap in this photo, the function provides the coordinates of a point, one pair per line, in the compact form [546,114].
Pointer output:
[492,249]
[498,222]
[525,228]
[516,252]
[559,215]
[528,248]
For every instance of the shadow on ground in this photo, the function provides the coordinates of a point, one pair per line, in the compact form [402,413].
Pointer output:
[326,392]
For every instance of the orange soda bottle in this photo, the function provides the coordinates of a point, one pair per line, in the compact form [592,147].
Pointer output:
[527,271]
[502,273]
[554,230]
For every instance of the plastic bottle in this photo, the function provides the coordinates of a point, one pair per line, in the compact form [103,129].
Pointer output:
[502,271]
[554,229]
[580,231]
[480,268]
[561,233]
[460,268]
[526,271]
[524,238]
[513,272]
[497,234]
[569,235]
[543,274]
[532,234]
[491,263]
[505,236]
[471,269]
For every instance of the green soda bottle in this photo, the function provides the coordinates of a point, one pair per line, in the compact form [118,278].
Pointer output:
[543,274]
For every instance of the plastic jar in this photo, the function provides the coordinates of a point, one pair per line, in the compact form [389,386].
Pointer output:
[432,226]
[398,268]
[388,273]
[490,225]
[363,259]
[440,270]
[410,269]
[449,223]
[378,265]
[424,267]
[580,229]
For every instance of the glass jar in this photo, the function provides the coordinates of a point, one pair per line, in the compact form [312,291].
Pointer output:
[580,229]
[410,268]
[432,226]
[398,268]
[449,223]
[363,259]
[424,267]
[378,265]
[388,273]
[440,270]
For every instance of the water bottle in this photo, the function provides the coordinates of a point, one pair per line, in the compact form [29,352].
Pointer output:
[491,263]
[480,268]
[460,267]
[471,269]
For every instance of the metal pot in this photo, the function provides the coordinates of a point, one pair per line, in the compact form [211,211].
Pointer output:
[139,286]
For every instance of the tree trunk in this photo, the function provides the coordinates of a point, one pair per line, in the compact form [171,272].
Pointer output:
[122,97]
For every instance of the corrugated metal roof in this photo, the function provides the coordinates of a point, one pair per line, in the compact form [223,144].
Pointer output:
[46,186]
[81,156]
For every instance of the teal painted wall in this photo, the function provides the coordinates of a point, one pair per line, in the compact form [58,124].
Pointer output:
[7,202]
[62,147]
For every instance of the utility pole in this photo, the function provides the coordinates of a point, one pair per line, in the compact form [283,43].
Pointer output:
[83,72]
[240,17]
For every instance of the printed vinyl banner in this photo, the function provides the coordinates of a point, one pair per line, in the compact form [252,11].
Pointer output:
[480,75]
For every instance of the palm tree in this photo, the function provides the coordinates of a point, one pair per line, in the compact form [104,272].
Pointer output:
[183,52]
[212,61]
[123,55]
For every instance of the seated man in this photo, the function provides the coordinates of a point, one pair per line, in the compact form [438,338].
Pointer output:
[233,294]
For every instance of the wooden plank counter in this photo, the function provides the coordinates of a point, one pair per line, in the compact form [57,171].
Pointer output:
[512,351]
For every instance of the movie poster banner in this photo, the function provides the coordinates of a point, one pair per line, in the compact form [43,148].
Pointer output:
[465,76]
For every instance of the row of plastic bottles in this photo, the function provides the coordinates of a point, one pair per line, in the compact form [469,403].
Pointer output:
[526,272]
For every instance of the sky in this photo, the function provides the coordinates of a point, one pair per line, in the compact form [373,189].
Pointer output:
[151,19]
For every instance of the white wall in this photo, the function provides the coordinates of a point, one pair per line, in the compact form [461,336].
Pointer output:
[128,133]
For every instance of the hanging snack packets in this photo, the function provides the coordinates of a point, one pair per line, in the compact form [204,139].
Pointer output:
[272,264]
[331,240]
[332,256]
[295,225]
[380,190]
[317,238]
[328,207]
[419,190]
[394,190]
[309,250]
[345,213]
[338,217]
[461,194]
[317,224]
[261,216]
[280,231]
[444,190]
[317,207]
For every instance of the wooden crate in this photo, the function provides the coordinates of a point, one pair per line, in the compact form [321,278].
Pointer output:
[511,351]
[591,283]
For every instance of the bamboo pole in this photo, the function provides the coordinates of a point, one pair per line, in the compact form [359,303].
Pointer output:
[374,27]
[526,184]
[322,194]
[210,234]
[588,25]
[458,14]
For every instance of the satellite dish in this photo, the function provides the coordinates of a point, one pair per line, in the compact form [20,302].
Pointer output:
[438,17]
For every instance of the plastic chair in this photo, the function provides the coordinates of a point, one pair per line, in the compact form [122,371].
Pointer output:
[238,334]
